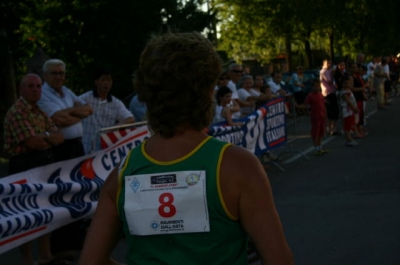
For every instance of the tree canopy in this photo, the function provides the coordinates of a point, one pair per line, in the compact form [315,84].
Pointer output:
[111,34]
[263,29]
[92,34]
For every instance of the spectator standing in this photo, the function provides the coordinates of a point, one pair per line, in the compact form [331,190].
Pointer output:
[370,74]
[258,83]
[387,85]
[235,73]
[107,110]
[358,89]
[394,74]
[223,80]
[275,84]
[138,109]
[225,107]
[331,102]
[67,111]
[380,76]
[360,59]
[248,95]
[29,136]
[258,86]
[349,109]
[235,202]
[297,84]
[316,103]
[339,74]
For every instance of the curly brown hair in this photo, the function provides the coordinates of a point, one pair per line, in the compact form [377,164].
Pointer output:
[176,78]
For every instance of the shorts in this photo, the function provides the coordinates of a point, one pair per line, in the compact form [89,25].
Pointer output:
[332,107]
[348,123]
[317,127]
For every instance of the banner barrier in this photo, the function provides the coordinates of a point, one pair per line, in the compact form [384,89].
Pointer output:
[40,200]
[262,130]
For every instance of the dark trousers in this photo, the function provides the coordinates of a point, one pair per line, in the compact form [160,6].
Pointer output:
[71,236]
[70,148]
[332,107]
[32,159]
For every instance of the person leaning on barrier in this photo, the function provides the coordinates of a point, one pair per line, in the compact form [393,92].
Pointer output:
[224,107]
[29,136]
[65,108]
[67,111]
[249,95]
[275,84]
[191,224]
[107,110]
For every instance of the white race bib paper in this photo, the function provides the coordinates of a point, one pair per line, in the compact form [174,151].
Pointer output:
[166,203]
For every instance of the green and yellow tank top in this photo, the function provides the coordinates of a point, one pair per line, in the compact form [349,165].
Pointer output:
[173,212]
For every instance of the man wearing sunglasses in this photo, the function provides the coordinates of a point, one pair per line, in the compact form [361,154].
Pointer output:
[235,73]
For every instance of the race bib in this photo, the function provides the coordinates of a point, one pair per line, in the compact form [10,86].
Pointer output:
[166,203]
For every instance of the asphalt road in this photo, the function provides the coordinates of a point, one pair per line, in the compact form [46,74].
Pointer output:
[341,208]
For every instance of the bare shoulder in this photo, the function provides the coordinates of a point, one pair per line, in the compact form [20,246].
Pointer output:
[242,163]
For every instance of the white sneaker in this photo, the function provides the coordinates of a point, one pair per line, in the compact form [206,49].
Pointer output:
[352,143]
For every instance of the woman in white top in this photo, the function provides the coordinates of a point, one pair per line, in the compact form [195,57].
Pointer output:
[249,95]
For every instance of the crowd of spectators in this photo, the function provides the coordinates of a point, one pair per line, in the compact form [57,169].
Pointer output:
[344,89]
[48,124]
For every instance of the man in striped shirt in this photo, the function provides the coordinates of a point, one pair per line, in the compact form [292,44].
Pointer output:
[107,110]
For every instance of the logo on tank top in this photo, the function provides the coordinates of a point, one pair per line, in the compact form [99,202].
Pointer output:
[135,184]
[192,179]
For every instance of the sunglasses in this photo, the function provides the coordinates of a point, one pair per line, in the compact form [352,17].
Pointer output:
[224,78]
[237,71]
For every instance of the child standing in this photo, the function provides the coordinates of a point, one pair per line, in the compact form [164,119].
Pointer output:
[349,109]
[316,102]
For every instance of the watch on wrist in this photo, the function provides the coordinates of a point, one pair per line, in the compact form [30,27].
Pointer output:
[47,134]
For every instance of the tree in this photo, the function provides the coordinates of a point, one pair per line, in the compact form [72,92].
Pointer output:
[87,35]
[265,28]
[102,33]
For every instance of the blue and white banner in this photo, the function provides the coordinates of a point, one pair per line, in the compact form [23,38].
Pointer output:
[262,130]
[40,200]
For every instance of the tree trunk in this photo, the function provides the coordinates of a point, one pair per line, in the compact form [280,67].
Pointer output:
[288,47]
[307,46]
[331,39]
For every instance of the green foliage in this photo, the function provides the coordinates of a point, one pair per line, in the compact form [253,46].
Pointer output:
[100,33]
[263,29]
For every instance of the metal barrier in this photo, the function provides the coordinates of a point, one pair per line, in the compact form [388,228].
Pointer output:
[292,125]
[116,128]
